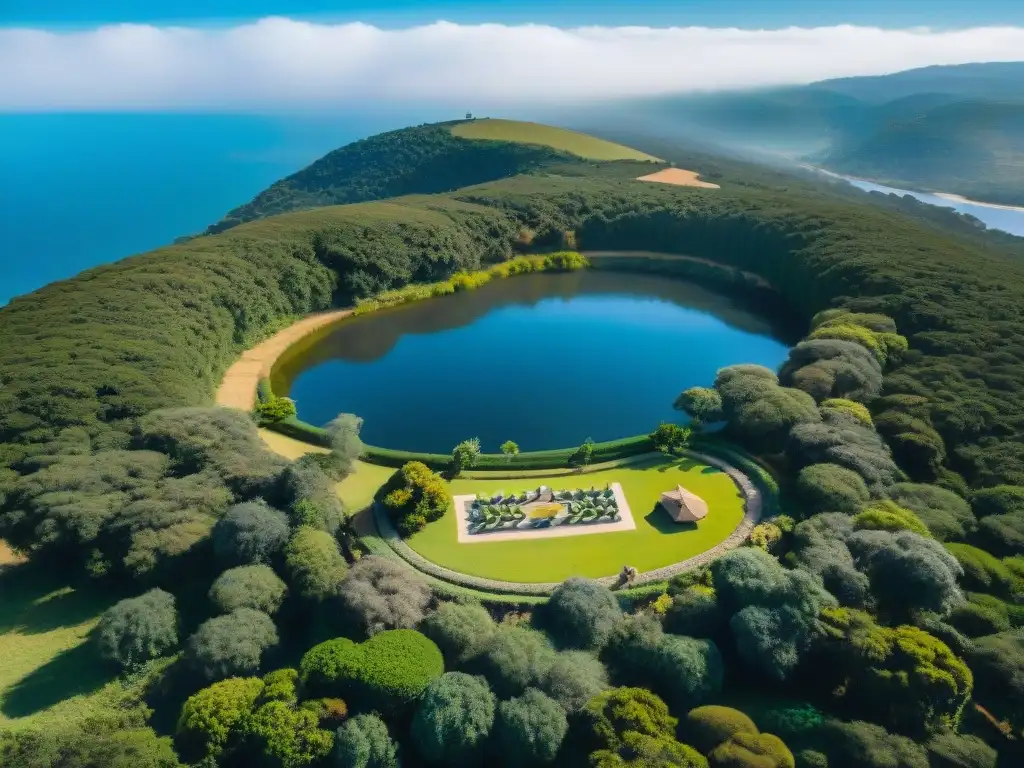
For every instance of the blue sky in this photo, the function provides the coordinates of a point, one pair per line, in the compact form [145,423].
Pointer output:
[717,13]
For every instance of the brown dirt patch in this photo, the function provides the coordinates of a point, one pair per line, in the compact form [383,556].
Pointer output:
[8,556]
[238,387]
[679,177]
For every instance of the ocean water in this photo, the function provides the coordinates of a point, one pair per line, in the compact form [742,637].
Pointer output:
[78,190]
[545,360]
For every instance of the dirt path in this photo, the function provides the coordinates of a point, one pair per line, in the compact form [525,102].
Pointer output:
[238,387]
[679,177]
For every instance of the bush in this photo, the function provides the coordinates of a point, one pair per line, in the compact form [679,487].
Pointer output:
[948,516]
[833,368]
[315,566]
[842,440]
[287,736]
[465,454]
[138,629]
[831,488]
[383,595]
[212,718]
[415,496]
[386,673]
[702,404]
[982,571]
[758,410]
[251,532]
[618,711]
[573,679]
[850,408]
[343,440]
[280,685]
[308,490]
[515,658]
[711,725]
[530,729]
[248,586]
[93,744]
[695,613]
[232,644]
[766,536]
[998,500]
[750,749]
[364,742]
[683,670]
[1002,534]
[640,751]
[275,409]
[670,438]
[460,630]
[998,665]
[454,719]
[580,614]
[889,516]
[977,619]
[956,750]
[866,745]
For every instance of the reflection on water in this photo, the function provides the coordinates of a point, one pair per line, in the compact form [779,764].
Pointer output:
[545,360]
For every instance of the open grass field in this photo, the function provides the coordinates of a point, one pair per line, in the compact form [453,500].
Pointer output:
[48,670]
[656,542]
[561,139]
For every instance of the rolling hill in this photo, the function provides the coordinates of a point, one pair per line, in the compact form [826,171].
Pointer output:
[428,159]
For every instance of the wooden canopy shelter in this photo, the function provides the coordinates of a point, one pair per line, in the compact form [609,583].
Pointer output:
[683,506]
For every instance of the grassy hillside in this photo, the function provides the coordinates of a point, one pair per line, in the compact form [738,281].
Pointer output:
[559,139]
[424,160]
[975,149]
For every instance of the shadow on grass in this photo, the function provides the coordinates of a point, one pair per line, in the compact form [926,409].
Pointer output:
[73,672]
[660,520]
[33,600]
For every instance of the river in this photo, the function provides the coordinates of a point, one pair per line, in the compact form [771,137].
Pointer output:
[1006,218]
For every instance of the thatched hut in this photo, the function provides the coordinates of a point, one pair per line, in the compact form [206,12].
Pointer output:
[683,506]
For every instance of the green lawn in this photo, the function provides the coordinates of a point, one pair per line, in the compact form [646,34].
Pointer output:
[561,139]
[48,669]
[657,540]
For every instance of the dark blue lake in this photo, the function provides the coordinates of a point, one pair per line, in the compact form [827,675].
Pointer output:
[545,360]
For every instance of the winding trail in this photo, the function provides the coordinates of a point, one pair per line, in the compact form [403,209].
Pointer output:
[238,387]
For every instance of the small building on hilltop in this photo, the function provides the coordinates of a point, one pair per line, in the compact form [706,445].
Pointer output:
[683,506]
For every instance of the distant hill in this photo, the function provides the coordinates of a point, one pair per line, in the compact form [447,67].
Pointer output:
[952,129]
[427,159]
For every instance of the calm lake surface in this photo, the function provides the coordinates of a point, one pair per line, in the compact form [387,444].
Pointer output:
[545,360]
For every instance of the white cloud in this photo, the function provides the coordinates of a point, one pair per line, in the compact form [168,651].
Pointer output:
[278,63]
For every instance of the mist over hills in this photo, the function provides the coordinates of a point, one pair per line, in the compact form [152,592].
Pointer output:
[956,129]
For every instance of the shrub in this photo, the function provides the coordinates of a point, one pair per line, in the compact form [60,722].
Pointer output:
[831,488]
[748,749]
[326,664]
[1002,534]
[580,614]
[331,712]
[842,440]
[212,718]
[315,566]
[947,515]
[415,496]
[866,745]
[766,536]
[460,630]
[758,410]
[998,500]
[138,629]
[251,532]
[287,736]
[702,404]
[573,679]
[960,750]
[364,742]
[515,658]
[615,712]
[914,442]
[998,665]
[454,719]
[833,368]
[982,571]
[280,685]
[308,490]
[232,644]
[640,751]
[887,515]
[682,670]
[669,438]
[978,619]
[386,673]
[94,744]
[695,613]
[529,730]
[343,440]
[275,409]
[383,595]
[708,726]
[850,408]
[248,586]
[465,454]
[924,685]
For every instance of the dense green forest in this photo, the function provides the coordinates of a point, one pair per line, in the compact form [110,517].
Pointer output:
[256,629]
[419,160]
